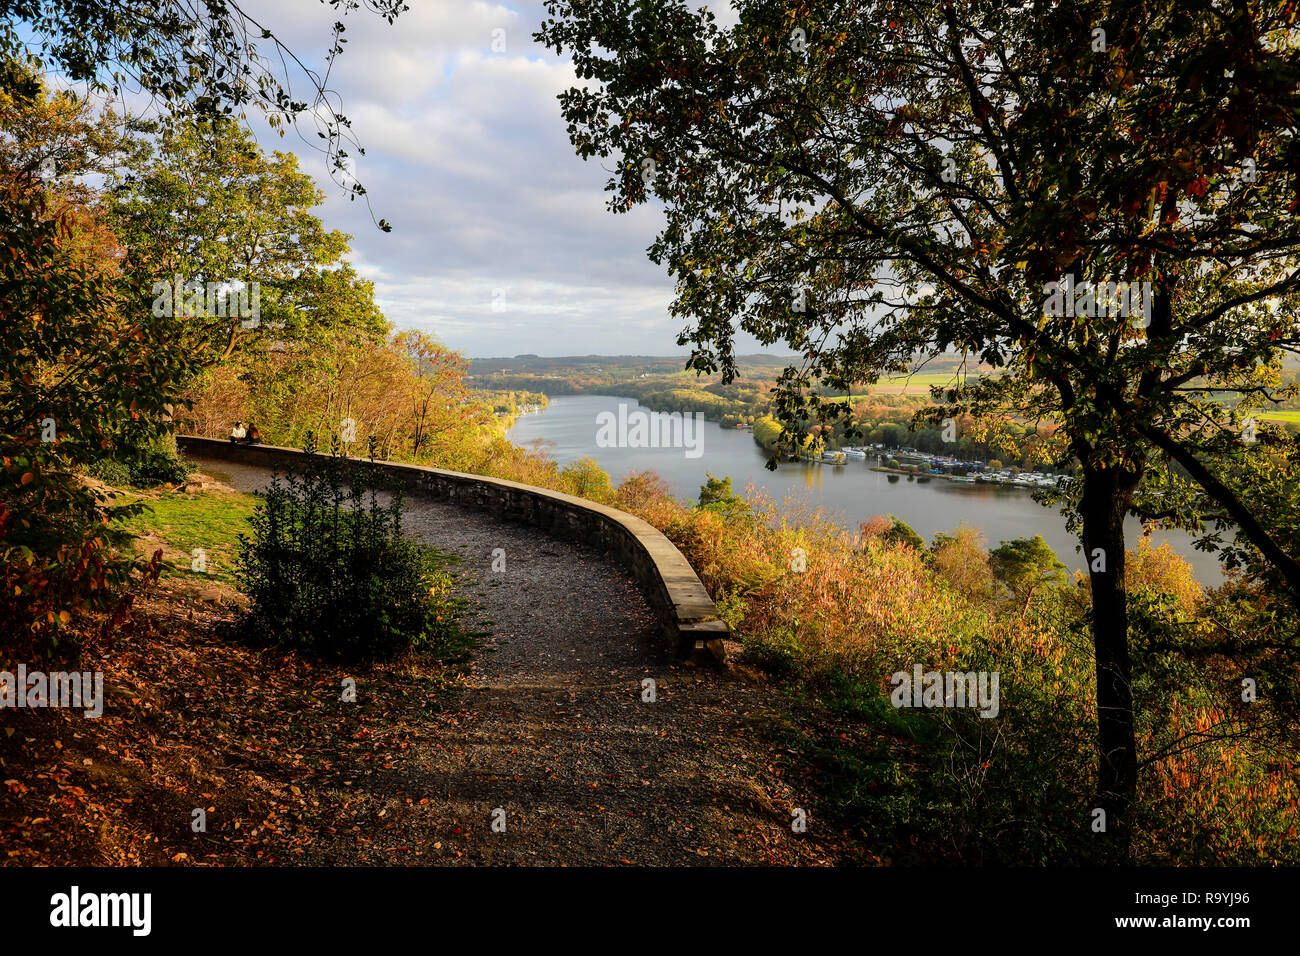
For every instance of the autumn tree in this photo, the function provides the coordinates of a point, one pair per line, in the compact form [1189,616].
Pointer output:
[440,405]
[1027,566]
[873,181]
[80,372]
[84,366]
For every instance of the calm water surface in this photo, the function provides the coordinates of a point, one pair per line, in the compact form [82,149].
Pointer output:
[849,493]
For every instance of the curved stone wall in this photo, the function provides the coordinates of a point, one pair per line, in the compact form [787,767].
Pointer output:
[669,583]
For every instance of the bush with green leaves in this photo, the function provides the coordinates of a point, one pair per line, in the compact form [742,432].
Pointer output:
[111,471]
[330,574]
[155,462]
[900,532]
[716,494]
[157,468]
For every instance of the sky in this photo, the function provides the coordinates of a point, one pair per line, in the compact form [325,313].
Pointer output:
[501,241]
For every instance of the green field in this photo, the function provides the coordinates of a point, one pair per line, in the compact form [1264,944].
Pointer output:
[915,384]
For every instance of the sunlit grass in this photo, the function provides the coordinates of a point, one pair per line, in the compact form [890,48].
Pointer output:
[1279,416]
[182,524]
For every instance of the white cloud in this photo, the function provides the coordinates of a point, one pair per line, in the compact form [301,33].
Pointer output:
[467,156]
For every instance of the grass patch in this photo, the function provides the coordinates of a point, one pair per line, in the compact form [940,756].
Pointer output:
[182,524]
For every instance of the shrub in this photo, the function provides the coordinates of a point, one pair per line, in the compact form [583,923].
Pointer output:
[338,580]
[586,479]
[63,565]
[159,465]
[646,494]
[716,495]
[110,471]
[156,463]
[900,532]
[961,559]
[1027,566]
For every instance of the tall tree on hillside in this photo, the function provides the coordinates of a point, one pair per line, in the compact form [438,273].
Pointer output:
[85,368]
[868,180]
[209,206]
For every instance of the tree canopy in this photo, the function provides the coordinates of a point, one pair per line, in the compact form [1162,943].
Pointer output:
[81,371]
[873,182]
[203,61]
[204,203]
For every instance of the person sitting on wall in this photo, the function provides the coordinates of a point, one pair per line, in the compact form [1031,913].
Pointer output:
[238,432]
[254,436]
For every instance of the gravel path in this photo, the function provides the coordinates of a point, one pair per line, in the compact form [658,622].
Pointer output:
[552,728]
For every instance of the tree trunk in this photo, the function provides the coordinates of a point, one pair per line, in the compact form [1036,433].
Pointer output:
[1105,498]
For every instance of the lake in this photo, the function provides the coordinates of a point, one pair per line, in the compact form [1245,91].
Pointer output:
[848,493]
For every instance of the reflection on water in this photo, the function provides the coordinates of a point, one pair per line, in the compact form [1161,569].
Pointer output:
[812,476]
[849,493]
